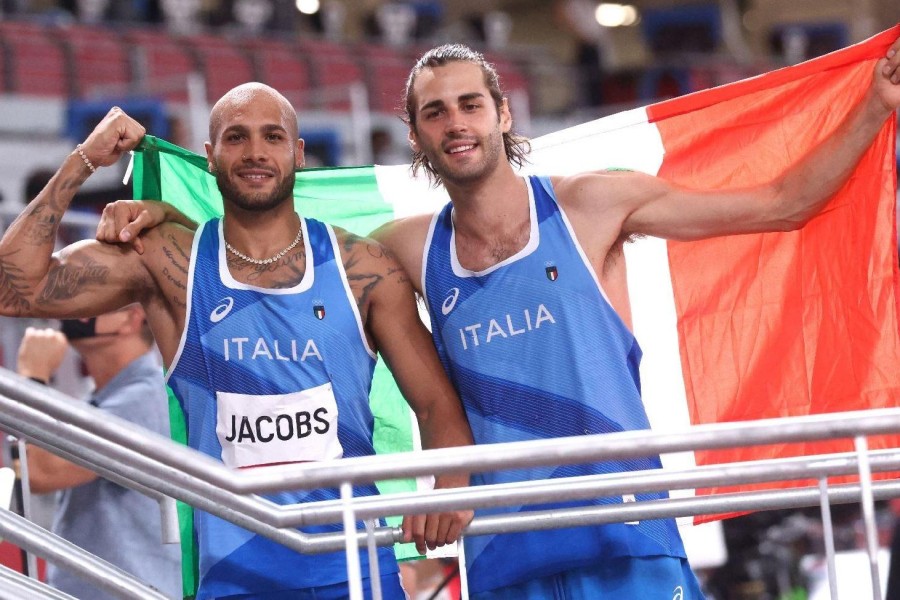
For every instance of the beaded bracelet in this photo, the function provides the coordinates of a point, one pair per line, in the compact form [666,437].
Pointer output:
[87,161]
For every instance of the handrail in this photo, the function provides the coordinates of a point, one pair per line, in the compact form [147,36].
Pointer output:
[16,585]
[548,452]
[64,553]
[151,463]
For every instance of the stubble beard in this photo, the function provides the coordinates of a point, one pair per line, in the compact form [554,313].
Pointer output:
[258,202]
[492,146]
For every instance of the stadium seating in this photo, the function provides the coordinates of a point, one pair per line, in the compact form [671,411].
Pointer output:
[99,60]
[36,61]
[282,65]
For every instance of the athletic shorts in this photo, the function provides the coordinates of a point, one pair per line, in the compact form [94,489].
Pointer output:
[390,590]
[647,578]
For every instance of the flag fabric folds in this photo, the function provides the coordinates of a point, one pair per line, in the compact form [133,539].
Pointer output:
[732,328]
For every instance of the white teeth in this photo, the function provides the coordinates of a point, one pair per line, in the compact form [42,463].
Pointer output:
[461,148]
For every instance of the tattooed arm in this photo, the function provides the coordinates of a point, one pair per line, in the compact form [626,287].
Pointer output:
[387,304]
[82,278]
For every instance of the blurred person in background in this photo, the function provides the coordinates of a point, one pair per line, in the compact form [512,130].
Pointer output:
[117,524]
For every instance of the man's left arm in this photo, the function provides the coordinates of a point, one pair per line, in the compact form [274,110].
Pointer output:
[407,348]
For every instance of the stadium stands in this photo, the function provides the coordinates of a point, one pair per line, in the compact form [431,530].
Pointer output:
[36,61]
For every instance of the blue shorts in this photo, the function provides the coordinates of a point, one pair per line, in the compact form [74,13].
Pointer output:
[656,578]
[390,590]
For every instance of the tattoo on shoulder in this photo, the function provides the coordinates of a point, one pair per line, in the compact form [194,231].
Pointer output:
[67,281]
[12,287]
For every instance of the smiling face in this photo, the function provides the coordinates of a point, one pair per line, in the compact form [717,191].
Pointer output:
[254,149]
[457,123]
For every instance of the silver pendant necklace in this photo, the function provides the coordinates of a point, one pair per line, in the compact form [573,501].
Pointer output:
[265,261]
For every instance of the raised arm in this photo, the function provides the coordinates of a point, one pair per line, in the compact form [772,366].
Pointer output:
[85,278]
[642,204]
[388,304]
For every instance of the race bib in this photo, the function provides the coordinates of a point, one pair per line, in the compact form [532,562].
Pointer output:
[279,428]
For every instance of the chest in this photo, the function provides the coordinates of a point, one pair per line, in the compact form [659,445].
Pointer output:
[478,254]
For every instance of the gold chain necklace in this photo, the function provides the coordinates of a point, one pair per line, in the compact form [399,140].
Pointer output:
[265,261]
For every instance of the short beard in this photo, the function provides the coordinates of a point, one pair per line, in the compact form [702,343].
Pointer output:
[256,202]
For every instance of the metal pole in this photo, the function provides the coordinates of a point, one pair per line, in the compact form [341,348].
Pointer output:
[463,571]
[16,585]
[828,535]
[868,511]
[61,552]
[354,573]
[374,570]
[30,564]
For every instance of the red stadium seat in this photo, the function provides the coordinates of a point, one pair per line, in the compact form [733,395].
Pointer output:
[100,60]
[161,64]
[36,61]
[334,69]
[281,64]
[224,64]
[386,73]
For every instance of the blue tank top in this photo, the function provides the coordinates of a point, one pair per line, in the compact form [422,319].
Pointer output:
[262,375]
[536,351]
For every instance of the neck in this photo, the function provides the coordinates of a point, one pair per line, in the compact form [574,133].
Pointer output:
[107,360]
[261,234]
[492,206]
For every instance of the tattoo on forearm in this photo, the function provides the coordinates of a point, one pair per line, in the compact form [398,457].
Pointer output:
[13,287]
[41,225]
[58,187]
[67,281]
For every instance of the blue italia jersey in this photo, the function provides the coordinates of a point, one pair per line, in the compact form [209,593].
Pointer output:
[272,376]
[536,351]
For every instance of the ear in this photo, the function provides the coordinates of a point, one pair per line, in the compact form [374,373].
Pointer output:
[210,163]
[136,318]
[505,116]
[299,154]
[413,141]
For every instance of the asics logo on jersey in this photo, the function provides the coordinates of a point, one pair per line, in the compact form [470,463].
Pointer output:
[450,301]
[222,310]
[678,594]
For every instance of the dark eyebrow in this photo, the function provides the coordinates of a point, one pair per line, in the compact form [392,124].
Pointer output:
[273,128]
[235,128]
[461,98]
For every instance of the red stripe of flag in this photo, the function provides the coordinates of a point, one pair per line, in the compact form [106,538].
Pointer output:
[786,324]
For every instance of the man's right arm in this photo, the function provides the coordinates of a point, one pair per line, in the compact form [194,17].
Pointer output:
[85,278]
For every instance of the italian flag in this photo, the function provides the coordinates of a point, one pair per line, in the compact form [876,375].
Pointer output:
[732,328]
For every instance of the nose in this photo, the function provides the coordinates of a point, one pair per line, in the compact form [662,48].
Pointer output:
[254,151]
[455,122]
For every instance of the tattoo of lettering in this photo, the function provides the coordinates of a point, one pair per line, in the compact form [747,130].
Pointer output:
[42,225]
[12,287]
[177,275]
[67,281]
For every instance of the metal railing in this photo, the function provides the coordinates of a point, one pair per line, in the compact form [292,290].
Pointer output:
[161,468]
